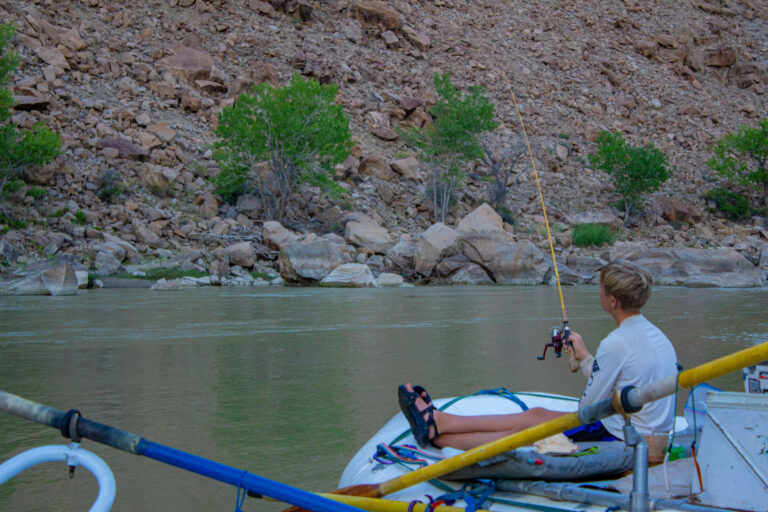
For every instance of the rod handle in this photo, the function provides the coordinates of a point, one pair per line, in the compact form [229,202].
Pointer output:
[572,362]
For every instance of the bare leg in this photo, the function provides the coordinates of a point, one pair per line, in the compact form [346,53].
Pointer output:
[466,432]
[487,428]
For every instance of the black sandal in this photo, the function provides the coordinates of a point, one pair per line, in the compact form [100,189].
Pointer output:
[415,417]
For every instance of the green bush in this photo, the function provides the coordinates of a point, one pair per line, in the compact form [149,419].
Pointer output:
[80,217]
[11,223]
[743,155]
[299,129]
[36,192]
[734,206]
[12,186]
[634,171]
[19,150]
[585,235]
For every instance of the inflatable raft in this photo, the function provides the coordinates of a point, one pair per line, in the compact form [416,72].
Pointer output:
[393,451]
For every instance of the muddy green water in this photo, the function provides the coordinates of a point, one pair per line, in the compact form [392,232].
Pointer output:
[289,383]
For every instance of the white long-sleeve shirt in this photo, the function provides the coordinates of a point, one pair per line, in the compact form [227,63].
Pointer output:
[636,353]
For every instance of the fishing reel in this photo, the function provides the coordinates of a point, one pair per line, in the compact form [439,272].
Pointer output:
[559,338]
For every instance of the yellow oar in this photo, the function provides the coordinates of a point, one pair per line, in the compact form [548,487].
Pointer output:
[635,398]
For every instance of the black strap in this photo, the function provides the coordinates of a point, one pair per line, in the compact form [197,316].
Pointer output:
[69,425]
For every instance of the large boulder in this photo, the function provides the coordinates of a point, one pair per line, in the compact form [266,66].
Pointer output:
[305,262]
[58,280]
[350,275]
[146,236]
[120,248]
[471,274]
[363,232]
[376,13]
[400,256]
[406,167]
[386,279]
[480,234]
[674,210]
[376,167]
[517,263]
[187,64]
[485,242]
[276,236]
[480,222]
[123,148]
[241,254]
[721,267]
[436,243]
[106,263]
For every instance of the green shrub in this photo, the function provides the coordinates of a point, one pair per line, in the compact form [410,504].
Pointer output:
[36,192]
[12,223]
[734,206]
[634,171]
[299,129]
[12,186]
[743,155]
[585,235]
[80,217]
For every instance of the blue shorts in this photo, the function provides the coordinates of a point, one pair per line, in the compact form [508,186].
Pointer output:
[594,432]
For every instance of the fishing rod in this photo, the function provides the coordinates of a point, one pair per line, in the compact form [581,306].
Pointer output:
[72,425]
[560,337]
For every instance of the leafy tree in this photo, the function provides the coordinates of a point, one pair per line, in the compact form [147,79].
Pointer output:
[452,139]
[298,129]
[744,155]
[19,150]
[634,171]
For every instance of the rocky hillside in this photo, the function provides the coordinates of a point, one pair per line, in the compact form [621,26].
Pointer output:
[135,89]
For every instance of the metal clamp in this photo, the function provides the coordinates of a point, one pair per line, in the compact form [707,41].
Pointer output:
[620,402]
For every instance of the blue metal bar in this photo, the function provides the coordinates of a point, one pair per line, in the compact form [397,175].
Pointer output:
[240,478]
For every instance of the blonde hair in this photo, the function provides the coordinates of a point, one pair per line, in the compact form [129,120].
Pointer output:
[629,283]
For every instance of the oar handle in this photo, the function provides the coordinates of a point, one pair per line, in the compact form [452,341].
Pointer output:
[89,429]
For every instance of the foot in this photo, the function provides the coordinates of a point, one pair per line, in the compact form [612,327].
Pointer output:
[418,409]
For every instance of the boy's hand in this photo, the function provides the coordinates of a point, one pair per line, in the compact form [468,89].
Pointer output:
[580,351]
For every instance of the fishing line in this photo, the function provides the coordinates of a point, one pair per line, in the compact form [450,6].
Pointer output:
[574,364]
[541,198]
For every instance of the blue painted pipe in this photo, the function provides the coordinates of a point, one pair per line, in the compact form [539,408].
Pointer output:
[240,478]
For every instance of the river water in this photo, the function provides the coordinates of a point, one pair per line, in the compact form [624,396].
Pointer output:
[288,383]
